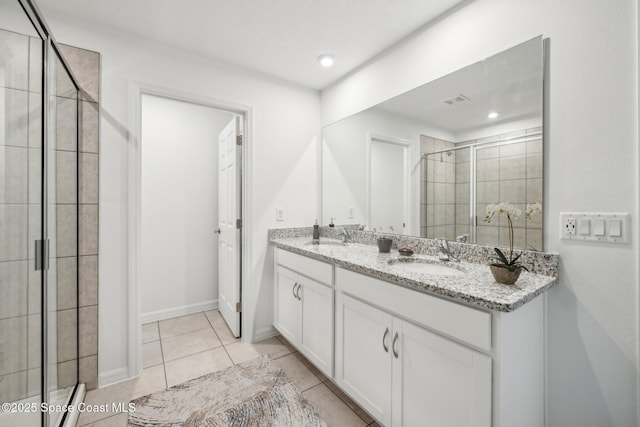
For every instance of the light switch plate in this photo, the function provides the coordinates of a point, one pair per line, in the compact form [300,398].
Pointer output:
[584,226]
[279,214]
[595,226]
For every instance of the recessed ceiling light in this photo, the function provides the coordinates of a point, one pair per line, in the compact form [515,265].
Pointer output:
[492,115]
[326,60]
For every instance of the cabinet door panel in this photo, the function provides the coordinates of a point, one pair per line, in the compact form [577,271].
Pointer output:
[316,334]
[437,382]
[286,307]
[363,367]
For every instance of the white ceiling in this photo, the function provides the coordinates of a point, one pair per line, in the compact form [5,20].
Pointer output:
[509,83]
[281,38]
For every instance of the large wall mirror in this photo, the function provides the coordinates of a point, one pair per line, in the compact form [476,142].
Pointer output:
[429,161]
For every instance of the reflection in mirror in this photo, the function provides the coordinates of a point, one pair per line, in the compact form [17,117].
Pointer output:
[508,170]
[428,162]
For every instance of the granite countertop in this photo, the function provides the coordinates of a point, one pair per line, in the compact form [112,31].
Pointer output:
[476,288]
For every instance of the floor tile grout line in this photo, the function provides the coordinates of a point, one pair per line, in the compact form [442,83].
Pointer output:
[349,406]
[220,339]
[185,333]
[229,355]
[233,363]
[193,354]
[99,420]
[213,328]
[342,400]
[346,404]
[173,318]
[164,365]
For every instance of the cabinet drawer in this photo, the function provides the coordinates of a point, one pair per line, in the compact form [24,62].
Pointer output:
[316,270]
[464,323]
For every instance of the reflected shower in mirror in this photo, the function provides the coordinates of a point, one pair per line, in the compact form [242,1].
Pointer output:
[428,162]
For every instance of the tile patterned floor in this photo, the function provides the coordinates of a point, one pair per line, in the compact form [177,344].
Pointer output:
[186,347]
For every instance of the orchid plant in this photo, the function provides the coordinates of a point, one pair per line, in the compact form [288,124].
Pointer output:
[512,212]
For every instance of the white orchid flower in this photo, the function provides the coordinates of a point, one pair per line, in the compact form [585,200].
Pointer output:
[532,209]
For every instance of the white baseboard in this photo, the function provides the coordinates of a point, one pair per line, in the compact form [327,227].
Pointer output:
[169,313]
[264,333]
[112,377]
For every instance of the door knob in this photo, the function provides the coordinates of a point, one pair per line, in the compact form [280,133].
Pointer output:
[217,231]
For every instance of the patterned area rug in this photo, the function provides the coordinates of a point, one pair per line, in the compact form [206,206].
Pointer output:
[254,393]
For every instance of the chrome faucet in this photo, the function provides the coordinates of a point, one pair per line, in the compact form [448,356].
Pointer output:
[346,237]
[444,253]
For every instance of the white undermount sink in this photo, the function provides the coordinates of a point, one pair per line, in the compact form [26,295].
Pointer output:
[423,266]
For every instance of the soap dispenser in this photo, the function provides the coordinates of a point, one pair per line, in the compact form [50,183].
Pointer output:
[316,233]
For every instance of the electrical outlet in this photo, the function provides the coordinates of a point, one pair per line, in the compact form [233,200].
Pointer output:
[570,226]
[351,212]
[597,227]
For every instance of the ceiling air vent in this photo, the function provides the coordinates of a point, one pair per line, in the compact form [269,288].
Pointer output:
[458,98]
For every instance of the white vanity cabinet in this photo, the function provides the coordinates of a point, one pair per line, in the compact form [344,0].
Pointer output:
[303,306]
[437,382]
[410,358]
[405,375]
[363,355]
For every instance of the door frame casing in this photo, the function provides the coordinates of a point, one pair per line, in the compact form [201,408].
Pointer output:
[136,90]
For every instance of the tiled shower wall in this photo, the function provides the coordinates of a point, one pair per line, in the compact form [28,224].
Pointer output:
[20,198]
[438,190]
[86,68]
[505,173]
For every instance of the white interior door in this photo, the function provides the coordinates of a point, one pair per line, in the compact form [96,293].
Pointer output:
[229,155]
[388,186]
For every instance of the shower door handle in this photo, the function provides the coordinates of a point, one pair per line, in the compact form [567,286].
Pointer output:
[41,256]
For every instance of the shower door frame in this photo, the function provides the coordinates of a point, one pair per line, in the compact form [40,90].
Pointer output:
[41,259]
[473,149]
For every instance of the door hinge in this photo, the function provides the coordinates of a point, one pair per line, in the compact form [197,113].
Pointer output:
[41,256]
[238,307]
[238,139]
[238,223]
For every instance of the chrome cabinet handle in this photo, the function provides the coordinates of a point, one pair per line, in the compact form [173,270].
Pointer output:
[393,346]
[384,337]
[298,292]
[294,290]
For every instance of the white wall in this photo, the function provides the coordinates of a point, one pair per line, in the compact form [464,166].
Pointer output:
[591,164]
[344,163]
[179,207]
[283,168]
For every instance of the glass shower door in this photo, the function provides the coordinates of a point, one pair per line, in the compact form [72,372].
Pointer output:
[38,151]
[62,232]
[20,218]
